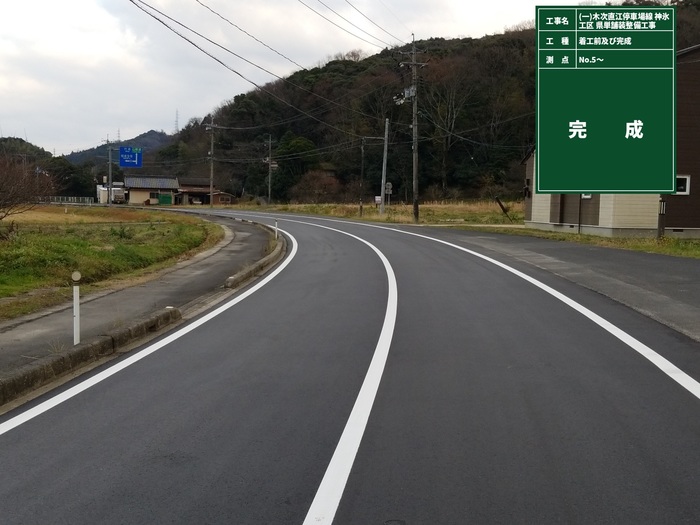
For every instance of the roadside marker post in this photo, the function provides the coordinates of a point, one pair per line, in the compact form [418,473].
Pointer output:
[75,276]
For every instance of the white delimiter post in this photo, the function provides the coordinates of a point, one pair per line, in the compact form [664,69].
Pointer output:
[76,308]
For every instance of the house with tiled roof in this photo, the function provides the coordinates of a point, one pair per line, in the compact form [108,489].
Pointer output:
[151,190]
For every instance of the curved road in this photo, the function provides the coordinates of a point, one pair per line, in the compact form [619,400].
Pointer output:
[377,376]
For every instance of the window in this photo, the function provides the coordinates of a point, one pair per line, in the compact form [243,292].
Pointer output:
[682,184]
[153,195]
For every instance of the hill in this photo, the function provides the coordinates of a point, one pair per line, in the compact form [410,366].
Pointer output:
[150,141]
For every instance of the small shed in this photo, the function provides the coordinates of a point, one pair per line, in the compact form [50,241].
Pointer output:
[197,190]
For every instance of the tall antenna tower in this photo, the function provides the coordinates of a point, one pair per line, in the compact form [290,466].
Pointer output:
[177,123]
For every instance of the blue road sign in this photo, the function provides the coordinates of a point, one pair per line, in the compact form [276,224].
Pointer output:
[130,157]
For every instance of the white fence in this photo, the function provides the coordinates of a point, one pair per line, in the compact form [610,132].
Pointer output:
[59,199]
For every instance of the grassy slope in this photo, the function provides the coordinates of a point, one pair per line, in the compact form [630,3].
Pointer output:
[48,244]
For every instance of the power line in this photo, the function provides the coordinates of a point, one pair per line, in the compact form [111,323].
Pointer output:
[261,88]
[460,135]
[304,113]
[373,23]
[251,36]
[340,27]
[392,14]
[352,24]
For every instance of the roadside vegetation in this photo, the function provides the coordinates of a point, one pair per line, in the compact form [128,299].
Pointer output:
[40,249]
[116,247]
[485,214]
[472,212]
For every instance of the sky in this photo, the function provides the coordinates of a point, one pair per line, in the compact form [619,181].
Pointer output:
[76,74]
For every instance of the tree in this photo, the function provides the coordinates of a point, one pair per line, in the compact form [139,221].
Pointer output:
[445,97]
[23,185]
[296,155]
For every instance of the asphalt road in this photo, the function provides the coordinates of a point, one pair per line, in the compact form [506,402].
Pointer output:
[378,377]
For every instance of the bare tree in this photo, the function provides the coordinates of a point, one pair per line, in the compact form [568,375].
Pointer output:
[445,99]
[23,185]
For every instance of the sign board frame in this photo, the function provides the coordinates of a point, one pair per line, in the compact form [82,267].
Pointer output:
[606,99]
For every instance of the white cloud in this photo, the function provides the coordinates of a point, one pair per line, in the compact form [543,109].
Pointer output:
[72,73]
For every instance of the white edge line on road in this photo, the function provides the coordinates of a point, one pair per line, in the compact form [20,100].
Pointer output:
[663,364]
[92,381]
[668,368]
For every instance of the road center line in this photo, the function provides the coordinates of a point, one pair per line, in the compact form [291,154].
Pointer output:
[330,491]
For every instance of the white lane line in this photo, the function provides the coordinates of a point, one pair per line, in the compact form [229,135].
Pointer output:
[88,383]
[330,491]
[663,364]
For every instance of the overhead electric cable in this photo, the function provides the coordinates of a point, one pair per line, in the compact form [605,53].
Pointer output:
[339,27]
[477,143]
[352,24]
[304,113]
[396,17]
[373,23]
[251,36]
[261,88]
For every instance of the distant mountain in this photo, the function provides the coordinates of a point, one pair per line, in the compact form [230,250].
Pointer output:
[149,141]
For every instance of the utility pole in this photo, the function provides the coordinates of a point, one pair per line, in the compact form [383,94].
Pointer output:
[269,169]
[109,173]
[362,164]
[386,151]
[211,166]
[414,93]
[362,172]
[414,76]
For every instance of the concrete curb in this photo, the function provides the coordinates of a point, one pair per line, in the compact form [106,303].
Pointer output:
[47,369]
[42,371]
[260,266]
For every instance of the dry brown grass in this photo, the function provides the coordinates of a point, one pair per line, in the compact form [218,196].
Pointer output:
[482,212]
[79,215]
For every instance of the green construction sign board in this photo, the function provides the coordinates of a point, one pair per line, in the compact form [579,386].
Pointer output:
[606,100]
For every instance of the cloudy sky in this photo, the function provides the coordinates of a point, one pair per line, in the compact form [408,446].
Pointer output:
[79,72]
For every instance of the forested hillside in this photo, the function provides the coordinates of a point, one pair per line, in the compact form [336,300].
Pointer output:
[475,123]
[323,127]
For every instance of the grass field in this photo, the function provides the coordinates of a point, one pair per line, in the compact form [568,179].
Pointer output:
[42,247]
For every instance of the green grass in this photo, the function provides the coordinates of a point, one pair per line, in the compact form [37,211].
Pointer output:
[37,260]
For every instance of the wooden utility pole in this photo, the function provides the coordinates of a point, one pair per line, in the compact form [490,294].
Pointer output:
[414,93]
[211,166]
